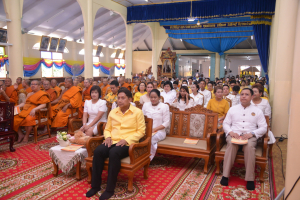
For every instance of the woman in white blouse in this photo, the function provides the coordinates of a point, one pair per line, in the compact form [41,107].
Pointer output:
[146,98]
[262,104]
[198,98]
[169,94]
[94,112]
[160,114]
[183,100]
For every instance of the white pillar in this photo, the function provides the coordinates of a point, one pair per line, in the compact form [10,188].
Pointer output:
[13,10]
[128,54]
[74,51]
[217,66]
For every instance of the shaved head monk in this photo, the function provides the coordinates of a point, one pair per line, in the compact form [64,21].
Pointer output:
[105,88]
[123,84]
[19,82]
[69,99]
[42,81]
[37,99]
[55,87]
[50,91]
[26,85]
[85,95]
[8,93]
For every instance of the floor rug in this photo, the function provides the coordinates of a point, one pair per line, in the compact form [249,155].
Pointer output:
[27,174]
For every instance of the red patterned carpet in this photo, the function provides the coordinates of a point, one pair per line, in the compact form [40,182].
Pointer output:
[27,174]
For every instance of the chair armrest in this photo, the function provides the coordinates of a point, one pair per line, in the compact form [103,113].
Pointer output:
[265,147]
[139,150]
[75,124]
[92,144]
[210,141]
[101,127]
[220,140]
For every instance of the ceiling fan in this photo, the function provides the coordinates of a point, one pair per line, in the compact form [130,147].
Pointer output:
[191,18]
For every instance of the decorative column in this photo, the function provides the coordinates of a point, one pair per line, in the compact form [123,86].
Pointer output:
[212,66]
[217,65]
[13,10]
[128,54]
[222,65]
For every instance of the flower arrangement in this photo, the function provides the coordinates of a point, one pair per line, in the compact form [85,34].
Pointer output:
[63,138]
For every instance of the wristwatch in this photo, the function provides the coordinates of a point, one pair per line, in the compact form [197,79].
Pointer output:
[253,134]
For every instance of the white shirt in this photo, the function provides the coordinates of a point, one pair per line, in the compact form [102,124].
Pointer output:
[207,96]
[235,100]
[93,109]
[264,106]
[169,97]
[245,120]
[182,105]
[198,99]
[160,115]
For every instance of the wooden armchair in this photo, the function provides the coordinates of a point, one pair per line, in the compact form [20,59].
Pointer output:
[261,152]
[228,100]
[42,116]
[7,124]
[139,154]
[138,105]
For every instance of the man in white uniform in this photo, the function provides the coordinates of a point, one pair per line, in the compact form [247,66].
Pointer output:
[206,93]
[227,94]
[247,122]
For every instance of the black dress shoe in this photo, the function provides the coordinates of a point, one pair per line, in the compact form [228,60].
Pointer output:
[224,181]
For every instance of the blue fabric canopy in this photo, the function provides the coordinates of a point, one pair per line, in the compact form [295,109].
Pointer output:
[201,10]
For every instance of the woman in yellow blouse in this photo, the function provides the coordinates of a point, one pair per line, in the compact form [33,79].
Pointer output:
[218,104]
[141,92]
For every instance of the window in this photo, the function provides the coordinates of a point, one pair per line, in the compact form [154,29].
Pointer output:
[96,71]
[2,69]
[53,71]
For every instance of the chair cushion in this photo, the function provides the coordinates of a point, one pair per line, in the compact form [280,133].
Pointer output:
[42,120]
[124,160]
[258,151]
[197,122]
[172,141]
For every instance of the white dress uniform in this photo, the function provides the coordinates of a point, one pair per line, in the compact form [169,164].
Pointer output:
[207,96]
[235,100]
[198,99]
[265,107]
[93,109]
[169,97]
[161,116]
[182,105]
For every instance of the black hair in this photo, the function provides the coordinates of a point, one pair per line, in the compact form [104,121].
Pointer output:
[202,81]
[236,88]
[115,83]
[226,86]
[187,90]
[97,88]
[168,83]
[212,83]
[233,81]
[175,82]
[251,91]
[150,83]
[140,84]
[125,91]
[190,78]
[185,81]
[197,86]
[155,91]
[243,81]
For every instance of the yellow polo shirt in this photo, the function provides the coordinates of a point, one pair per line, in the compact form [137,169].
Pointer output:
[110,97]
[129,126]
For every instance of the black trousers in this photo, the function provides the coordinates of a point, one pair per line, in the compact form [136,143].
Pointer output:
[115,154]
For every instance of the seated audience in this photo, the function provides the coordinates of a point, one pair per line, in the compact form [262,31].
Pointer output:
[94,112]
[35,100]
[52,93]
[26,86]
[113,95]
[232,84]
[235,95]
[146,98]
[141,91]
[125,126]
[115,104]
[55,87]
[136,85]
[210,87]
[123,84]
[160,114]
[198,98]
[183,99]
[263,105]
[168,94]
[218,104]
[226,93]
[85,96]
[206,93]
[175,86]
[247,122]
[105,89]
[69,99]
[19,83]
[8,92]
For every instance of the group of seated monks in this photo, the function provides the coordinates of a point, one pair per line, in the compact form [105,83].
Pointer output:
[125,123]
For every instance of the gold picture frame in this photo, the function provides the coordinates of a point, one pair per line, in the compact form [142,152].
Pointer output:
[45,40]
[61,45]
[53,44]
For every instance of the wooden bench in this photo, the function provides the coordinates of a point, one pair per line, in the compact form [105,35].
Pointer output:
[194,123]
[261,152]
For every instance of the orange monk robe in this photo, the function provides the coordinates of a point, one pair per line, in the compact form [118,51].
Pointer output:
[101,84]
[33,101]
[20,86]
[58,90]
[80,85]
[28,90]
[126,85]
[72,96]
[86,96]
[103,91]
[11,93]
[52,93]
[135,89]
[131,85]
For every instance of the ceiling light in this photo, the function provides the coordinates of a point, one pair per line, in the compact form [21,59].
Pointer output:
[251,37]
[181,40]
[198,23]
[146,0]
[191,19]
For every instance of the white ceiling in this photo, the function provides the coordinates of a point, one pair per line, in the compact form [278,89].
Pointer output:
[63,19]
[128,3]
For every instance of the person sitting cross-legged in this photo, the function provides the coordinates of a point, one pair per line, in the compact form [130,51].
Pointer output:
[125,126]
[247,122]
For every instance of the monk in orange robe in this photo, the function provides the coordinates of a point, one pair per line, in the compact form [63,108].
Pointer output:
[104,88]
[52,93]
[55,87]
[26,86]
[19,82]
[131,84]
[42,82]
[8,92]
[85,96]
[35,100]
[123,84]
[69,99]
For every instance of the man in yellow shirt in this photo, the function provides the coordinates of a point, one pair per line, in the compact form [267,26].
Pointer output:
[125,126]
[114,87]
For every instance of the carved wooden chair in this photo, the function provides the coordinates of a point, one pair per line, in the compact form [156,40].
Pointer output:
[7,124]
[42,116]
[193,123]
[162,99]
[228,100]
[261,152]
[138,105]
[62,86]
[139,154]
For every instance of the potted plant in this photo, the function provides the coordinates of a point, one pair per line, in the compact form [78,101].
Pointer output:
[63,138]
